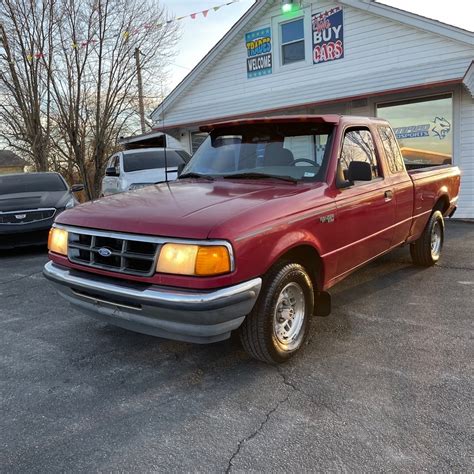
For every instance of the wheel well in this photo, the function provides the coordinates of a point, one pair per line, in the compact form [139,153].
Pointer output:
[308,257]
[442,204]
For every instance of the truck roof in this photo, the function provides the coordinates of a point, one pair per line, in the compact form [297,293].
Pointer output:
[31,173]
[132,151]
[326,118]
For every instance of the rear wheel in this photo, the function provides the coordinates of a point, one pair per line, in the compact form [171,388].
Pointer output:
[279,323]
[426,251]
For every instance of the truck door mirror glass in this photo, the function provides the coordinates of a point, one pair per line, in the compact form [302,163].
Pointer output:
[359,171]
[111,171]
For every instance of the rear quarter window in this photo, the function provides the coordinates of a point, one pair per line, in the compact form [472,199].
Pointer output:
[393,155]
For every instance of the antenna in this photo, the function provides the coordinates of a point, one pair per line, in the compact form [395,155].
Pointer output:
[164,134]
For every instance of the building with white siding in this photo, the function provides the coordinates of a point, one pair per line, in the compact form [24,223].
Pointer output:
[354,57]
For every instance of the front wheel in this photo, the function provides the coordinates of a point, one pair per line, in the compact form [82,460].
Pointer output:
[279,323]
[426,251]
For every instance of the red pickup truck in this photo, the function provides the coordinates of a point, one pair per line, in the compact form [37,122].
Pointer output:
[265,218]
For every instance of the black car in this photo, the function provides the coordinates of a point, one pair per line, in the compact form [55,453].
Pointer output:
[29,203]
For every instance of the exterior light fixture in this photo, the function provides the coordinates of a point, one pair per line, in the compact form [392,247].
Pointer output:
[288,6]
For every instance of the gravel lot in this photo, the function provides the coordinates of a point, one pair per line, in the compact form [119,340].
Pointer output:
[384,383]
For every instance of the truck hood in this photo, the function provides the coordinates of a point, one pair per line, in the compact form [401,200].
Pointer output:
[184,208]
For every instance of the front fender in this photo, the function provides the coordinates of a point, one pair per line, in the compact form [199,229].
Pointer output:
[290,241]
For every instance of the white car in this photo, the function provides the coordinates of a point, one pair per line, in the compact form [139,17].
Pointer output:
[133,169]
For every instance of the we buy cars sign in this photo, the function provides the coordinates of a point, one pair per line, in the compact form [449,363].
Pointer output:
[328,36]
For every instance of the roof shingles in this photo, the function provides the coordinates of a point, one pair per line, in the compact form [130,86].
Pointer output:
[10,159]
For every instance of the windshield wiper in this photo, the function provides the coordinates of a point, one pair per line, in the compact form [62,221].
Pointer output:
[196,175]
[289,179]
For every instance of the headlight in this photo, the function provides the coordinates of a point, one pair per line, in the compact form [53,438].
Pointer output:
[57,241]
[70,203]
[199,260]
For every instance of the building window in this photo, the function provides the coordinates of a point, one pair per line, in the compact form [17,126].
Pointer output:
[292,41]
[358,145]
[197,138]
[424,129]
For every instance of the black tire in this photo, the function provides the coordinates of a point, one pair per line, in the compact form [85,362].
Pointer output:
[423,251]
[258,331]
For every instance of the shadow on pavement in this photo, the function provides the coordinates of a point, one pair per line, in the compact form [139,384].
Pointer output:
[23,251]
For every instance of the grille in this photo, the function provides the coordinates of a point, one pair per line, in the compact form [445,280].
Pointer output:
[113,254]
[26,217]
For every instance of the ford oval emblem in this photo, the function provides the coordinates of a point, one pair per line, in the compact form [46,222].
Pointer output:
[105,252]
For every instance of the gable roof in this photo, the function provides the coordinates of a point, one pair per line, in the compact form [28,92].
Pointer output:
[407,18]
[8,158]
[468,79]
[412,19]
[258,7]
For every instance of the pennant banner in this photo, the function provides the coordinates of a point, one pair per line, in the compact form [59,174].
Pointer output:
[75,44]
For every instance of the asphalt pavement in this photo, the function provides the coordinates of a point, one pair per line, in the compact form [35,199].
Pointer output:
[384,383]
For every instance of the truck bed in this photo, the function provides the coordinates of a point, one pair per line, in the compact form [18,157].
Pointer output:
[429,183]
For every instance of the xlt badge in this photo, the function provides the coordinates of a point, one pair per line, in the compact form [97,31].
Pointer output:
[327,219]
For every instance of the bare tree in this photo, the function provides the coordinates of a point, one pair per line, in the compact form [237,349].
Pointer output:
[24,87]
[89,75]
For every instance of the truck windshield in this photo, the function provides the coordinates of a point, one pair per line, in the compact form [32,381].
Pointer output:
[289,151]
[31,183]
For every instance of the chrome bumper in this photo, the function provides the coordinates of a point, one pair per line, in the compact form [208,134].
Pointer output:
[181,314]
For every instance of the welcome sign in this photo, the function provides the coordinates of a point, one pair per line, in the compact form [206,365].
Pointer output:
[328,36]
[259,52]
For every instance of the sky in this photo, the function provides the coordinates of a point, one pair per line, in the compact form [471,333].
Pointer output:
[201,34]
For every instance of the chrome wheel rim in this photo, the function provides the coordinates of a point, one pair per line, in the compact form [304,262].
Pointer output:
[289,315]
[436,240]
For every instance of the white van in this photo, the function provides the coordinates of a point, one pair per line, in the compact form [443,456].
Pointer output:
[137,168]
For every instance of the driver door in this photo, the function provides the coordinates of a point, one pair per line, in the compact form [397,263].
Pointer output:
[110,184]
[365,210]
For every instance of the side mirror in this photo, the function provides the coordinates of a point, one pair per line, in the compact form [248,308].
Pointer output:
[359,171]
[75,188]
[111,171]
[180,168]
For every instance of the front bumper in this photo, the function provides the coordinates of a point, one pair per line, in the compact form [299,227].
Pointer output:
[181,314]
[23,235]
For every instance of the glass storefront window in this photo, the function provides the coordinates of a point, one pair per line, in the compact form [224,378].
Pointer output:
[197,138]
[424,129]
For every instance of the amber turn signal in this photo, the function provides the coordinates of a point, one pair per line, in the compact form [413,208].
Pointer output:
[212,260]
[57,241]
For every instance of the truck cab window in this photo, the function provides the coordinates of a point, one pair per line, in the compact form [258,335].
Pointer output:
[358,145]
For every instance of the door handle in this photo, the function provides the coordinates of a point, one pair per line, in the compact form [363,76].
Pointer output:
[388,196]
